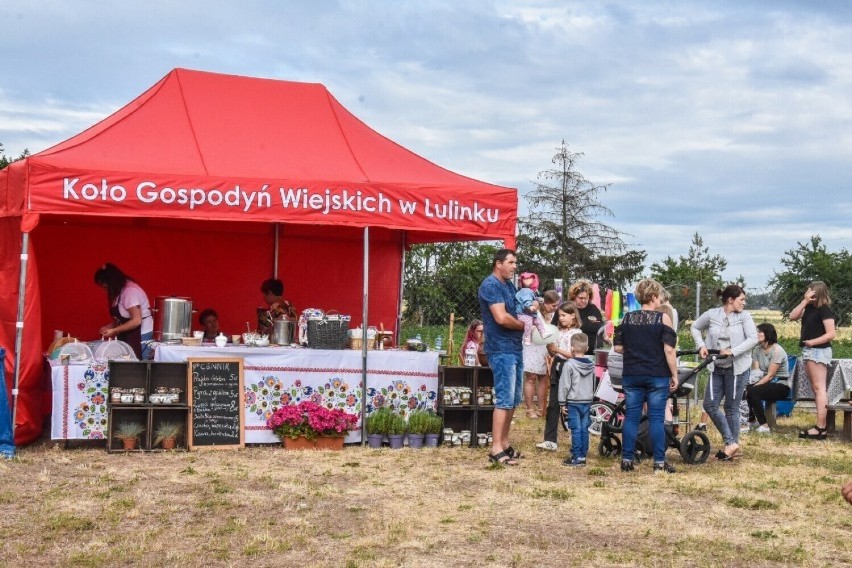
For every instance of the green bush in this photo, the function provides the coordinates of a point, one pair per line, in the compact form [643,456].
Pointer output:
[379,421]
[436,423]
[397,424]
[418,422]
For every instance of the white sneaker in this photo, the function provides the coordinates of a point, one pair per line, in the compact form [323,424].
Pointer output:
[549,446]
[763,429]
[744,430]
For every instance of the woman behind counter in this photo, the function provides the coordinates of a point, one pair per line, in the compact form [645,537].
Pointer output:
[273,292]
[129,308]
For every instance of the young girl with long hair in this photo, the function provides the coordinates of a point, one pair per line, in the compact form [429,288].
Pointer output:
[568,323]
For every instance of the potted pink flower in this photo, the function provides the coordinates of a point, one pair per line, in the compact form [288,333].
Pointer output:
[309,425]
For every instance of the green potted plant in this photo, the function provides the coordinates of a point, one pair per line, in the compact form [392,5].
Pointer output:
[396,430]
[433,432]
[418,424]
[377,426]
[128,433]
[166,434]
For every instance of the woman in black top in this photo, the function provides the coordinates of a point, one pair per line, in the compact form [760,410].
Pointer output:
[647,340]
[817,332]
[591,319]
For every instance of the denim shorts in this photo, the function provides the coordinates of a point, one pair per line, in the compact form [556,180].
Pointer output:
[817,354]
[508,369]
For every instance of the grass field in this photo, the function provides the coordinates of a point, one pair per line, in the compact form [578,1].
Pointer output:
[779,505]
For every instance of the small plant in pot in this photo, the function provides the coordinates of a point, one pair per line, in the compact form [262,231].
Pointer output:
[377,426]
[418,424]
[167,433]
[433,432]
[396,430]
[128,433]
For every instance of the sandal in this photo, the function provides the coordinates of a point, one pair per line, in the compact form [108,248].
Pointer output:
[502,458]
[821,433]
[513,453]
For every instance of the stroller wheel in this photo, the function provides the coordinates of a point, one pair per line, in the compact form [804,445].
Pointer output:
[609,446]
[600,412]
[695,447]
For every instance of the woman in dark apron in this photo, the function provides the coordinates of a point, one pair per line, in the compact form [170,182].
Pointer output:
[124,294]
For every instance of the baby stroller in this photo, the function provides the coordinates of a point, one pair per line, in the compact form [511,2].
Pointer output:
[694,447]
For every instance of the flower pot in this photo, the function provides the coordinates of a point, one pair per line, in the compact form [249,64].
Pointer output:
[431,440]
[300,443]
[375,440]
[333,443]
[416,440]
[396,440]
[168,443]
[129,443]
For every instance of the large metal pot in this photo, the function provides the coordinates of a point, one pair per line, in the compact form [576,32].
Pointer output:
[283,331]
[173,317]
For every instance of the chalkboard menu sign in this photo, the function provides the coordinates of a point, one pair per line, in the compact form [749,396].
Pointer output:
[216,398]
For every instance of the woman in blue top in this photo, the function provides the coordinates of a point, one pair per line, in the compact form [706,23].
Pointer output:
[647,340]
[731,330]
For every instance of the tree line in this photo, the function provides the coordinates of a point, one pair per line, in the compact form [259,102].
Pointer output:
[565,236]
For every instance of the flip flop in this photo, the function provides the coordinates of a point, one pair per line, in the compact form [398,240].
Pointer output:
[502,458]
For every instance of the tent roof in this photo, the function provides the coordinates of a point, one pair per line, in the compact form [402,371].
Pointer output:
[215,133]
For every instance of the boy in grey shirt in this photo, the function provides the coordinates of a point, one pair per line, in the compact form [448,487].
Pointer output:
[576,392]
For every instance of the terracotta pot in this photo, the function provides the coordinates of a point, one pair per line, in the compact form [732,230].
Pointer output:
[334,443]
[168,443]
[300,443]
[129,443]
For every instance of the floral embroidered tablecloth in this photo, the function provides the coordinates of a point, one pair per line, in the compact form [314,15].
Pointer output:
[79,401]
[274,376]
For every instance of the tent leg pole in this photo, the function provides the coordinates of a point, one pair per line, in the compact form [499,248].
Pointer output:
[364,312]
[276,226]
[19,326]
[398,337]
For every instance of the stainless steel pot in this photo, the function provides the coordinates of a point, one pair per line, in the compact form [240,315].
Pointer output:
[173,317]
[282,331]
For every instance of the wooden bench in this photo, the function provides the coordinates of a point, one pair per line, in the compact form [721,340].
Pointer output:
[846,409]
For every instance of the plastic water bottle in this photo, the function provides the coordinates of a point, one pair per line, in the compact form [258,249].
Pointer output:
[439,343]
[470,356]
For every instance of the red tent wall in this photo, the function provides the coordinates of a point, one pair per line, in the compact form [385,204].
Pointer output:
[30,412]
[217,265]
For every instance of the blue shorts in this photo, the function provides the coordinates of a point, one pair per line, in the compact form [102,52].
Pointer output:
[817,355]
[508,369]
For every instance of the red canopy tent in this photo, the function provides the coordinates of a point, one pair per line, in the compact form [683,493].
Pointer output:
[202,187]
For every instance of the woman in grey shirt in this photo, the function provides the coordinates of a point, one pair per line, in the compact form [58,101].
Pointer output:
[732,331]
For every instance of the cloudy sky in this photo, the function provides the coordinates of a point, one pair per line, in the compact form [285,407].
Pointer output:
[733,119]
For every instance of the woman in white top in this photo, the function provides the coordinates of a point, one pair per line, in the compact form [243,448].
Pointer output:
[731,330]
[771,360]
[129,308]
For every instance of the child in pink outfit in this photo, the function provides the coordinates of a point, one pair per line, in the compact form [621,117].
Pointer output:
[527,305]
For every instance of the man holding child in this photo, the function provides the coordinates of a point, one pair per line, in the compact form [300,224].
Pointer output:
[503,346]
